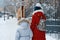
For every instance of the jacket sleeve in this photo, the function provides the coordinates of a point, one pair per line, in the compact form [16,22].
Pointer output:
[43,20]
[31,34]
[17,35]
[35,21]
[43,16]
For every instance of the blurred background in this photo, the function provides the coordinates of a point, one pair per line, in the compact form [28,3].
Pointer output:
[13,9]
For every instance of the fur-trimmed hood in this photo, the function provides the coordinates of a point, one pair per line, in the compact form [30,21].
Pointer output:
[23,19]
[23,23]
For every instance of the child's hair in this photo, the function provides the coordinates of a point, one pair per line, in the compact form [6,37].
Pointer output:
[37,8]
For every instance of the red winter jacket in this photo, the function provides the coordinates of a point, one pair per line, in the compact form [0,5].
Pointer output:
[37,34]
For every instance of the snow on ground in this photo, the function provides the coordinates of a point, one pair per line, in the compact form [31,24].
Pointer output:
[8,29]
[48,37]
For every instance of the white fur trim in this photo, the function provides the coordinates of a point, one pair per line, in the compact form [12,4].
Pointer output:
[23,19]
[37,11]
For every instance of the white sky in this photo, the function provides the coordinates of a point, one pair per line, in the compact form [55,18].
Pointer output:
[1,3]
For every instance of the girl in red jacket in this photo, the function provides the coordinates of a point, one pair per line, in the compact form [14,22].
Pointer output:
[37,29]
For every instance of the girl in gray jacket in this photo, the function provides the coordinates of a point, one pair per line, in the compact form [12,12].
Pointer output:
[24,32]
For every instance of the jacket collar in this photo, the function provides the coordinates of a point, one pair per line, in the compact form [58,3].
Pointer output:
[37,11]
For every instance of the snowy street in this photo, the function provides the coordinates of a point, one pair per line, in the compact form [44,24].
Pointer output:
[8,29]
